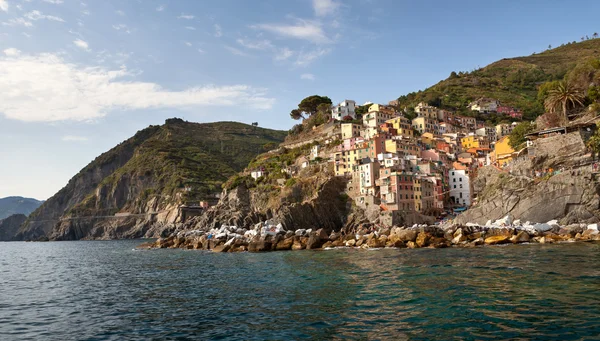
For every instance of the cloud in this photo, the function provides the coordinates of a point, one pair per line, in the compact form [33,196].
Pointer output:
[73,138]
[85,12]
[122,27]
[12,52]
[187,43]
[256,45]
[160,8]
[4,5]
[218,31]
[307,76]
[303,29]
[235,51]
[186,16]
[121,13]
[201,51]
[54,2]
[45,88]
[81,44]
[283,54]
[18,22]
[306,58]
[325,7]
[191,28]
[37,15]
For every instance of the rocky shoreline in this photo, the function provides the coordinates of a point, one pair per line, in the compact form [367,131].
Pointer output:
[270,237]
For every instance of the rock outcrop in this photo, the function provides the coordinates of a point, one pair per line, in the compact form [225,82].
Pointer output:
[9,227]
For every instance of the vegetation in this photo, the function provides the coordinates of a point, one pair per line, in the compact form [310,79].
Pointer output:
[516,139]
[563,95]
[514,81]
[310,106]
[594,142]
[180,161]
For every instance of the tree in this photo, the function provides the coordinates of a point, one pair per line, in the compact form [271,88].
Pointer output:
[517,136]
[563,96]
[549,47]
[595,35]
[453,75]
[594,142]
[296,114]
[309,106]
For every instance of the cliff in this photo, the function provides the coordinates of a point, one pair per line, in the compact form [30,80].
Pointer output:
[9,226]
[570,194]
[135,189]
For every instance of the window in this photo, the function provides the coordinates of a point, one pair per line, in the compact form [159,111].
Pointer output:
[454,186]
[460,185]
[460,179]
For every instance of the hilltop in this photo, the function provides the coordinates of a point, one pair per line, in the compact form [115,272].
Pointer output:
[513,81]
[17,205]
[149,175]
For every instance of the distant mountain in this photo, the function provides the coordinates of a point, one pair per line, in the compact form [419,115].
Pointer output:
[17,205]
[136,188]
[513,81]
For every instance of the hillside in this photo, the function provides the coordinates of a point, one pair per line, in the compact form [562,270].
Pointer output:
[17,205]
[9,226]
[513,81]
[148,175]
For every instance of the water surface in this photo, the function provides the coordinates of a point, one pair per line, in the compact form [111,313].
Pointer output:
[104,290]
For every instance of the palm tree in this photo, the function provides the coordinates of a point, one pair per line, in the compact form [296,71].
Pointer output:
[561,96]
[595,35]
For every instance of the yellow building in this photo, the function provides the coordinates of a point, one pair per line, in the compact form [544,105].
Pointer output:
[381,108]
[502,153]
[426,125]
[350,130]
[402,125]
[470,141]
[424,110]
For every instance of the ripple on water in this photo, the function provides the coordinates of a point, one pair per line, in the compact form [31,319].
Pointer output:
[108,291]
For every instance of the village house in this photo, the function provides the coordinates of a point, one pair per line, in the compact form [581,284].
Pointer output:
[386,109]
[426,125]
[504,129]
[489,132]
[345,108]
[502,154]
[402,125]
[509,111]
[425,110]
[484,105]
[374,119]
[460,193]
[350,130]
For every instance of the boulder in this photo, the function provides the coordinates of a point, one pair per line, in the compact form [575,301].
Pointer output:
[285,244]
[259,246]
[478,241]
[351,242]
[407,235]
[299,243]
[221,248]
[422,239]
[498,239]
[458,239]
[316,239]
[376,242]
[520,237]
[412,245]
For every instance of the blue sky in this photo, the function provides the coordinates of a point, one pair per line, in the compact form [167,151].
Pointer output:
[78,77]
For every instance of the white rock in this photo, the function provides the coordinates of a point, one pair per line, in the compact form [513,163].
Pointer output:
[300,232]
[472,225]
[542,227]
[308,231]
[593,227]
[517,222]
[488,223]
[552,222]
[221,235]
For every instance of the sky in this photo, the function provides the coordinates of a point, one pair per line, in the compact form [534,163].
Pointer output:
[79,77]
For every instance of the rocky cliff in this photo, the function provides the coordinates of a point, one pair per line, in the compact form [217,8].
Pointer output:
[9,226]
[529,192]
[135,189]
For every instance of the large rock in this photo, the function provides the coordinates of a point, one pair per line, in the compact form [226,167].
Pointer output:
[285,244]
[259,246]
[520,237]
[422,239]
[317,239]
[407,235]
[500,239]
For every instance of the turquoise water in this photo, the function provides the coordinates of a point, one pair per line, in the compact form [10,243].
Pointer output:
[105,290]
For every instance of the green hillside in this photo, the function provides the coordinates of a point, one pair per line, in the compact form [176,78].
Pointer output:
[175,163]
[513,81]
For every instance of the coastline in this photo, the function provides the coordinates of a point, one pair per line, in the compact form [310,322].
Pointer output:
[267,237]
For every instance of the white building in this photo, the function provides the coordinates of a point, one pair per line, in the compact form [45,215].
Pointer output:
[367,173]
[484,105]
[460,190]
[257,174]
[345,108]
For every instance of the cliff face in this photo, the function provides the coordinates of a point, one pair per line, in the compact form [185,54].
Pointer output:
[135,189]
[571,195]
[9,226]
[328,208]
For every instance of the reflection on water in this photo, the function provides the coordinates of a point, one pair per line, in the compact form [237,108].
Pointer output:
[108,291]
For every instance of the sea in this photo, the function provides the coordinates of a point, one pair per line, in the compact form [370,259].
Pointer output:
[109,290]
